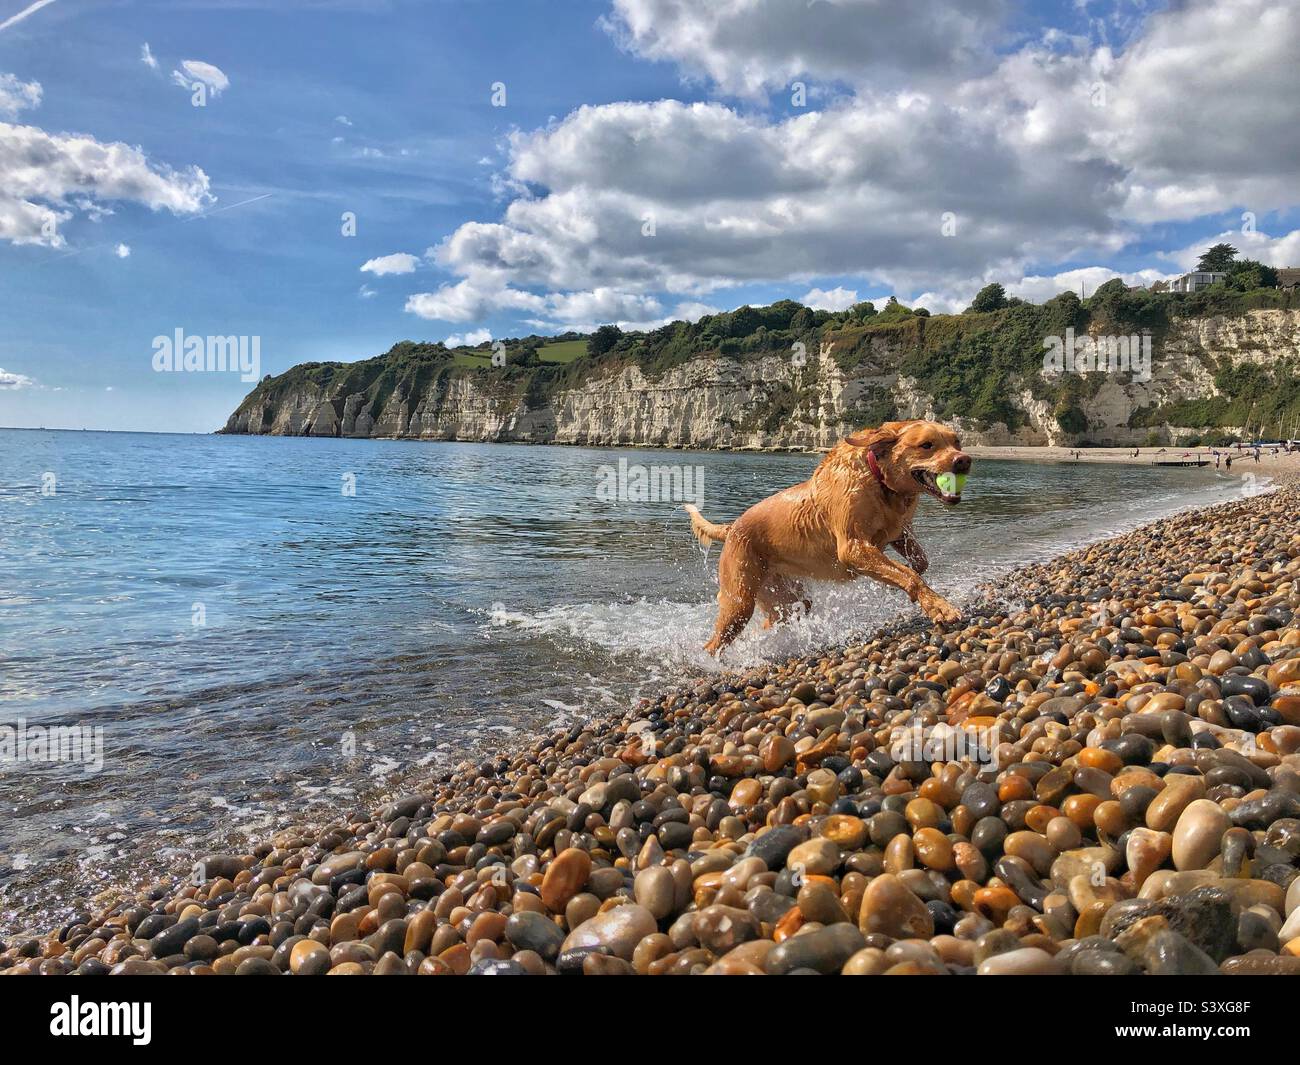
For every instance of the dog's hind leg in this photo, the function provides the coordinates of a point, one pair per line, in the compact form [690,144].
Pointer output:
[779,598]
[741,574]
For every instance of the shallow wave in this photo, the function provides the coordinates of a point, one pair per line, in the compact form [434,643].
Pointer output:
[668,634]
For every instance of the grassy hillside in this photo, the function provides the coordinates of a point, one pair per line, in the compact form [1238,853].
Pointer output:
[971,363]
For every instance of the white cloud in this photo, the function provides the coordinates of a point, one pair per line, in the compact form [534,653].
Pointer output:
[30,9]
[836,299]
[343,120]
[693,312]
[1082,282]
[122,251]
[477,298]
[1195,116]
[747,46]
[18,95]
[1036,288]
[470,300]
[603,305]
[683,312]
[366,292]
[196,71]
[46,178]
[1252,244]
[399,263]
[12,382]
[471,339]
[147,57]
[858,189]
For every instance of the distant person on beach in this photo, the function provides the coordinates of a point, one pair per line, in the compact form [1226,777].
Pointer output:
[1228,460]
[1217,460]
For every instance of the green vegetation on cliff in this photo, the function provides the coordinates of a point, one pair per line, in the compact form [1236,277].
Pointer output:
[973,364]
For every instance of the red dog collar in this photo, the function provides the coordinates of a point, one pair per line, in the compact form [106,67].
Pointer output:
[875,470]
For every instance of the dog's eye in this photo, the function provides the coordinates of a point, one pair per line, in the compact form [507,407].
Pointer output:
[927,446]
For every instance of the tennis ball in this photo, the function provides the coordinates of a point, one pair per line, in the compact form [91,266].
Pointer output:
[951,484]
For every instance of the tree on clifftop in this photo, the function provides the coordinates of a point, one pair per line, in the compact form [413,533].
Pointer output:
[1246,275]
[1216,259]
[603,340]
[990,298]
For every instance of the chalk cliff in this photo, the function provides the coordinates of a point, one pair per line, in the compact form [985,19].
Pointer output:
[767,399]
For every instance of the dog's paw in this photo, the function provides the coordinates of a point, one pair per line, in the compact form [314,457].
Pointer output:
[939,610]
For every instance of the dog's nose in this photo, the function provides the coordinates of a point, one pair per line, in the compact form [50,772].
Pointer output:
[961,464]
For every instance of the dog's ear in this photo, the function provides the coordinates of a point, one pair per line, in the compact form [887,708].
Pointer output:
[877,440]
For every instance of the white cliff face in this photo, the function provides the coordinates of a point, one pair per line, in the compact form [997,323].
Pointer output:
[710,403]
[771,402]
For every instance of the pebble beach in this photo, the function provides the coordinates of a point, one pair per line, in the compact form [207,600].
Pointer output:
[1095,772]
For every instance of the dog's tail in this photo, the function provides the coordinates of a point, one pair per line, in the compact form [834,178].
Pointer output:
[706,531]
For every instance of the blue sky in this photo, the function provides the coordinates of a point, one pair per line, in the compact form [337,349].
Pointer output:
[530,217]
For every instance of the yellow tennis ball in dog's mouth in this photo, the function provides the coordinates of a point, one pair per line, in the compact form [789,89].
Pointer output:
[951,484]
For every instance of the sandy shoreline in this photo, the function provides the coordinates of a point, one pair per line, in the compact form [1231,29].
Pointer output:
[1242,461]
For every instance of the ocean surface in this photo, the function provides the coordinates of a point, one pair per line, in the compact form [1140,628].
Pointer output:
[252,631]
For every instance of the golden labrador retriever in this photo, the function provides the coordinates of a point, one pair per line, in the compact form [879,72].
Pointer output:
[835,526]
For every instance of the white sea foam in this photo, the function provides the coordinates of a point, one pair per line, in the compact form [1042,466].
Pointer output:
[668,635]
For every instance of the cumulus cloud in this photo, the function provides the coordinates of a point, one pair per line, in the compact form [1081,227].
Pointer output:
[1250,244]
[1036,288]
[398,263]
[748,46]
[122,251]
[860,188]
[16,95]
[1176,159]
[1083,282]
[471,339]
[603,305]
[46,178]
[689,311]
[638,316]
[477,298]
[12,382]
[470,300]
[147,56]
[1055,151]
[195,71]
[835,299]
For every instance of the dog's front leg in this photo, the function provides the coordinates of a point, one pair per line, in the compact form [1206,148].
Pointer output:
[865,558]
[910,548]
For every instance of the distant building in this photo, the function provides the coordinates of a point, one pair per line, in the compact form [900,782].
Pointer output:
[1196,281]
[1288,277]
[1159,286]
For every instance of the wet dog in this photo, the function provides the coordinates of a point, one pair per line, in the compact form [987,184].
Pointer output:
[836,525]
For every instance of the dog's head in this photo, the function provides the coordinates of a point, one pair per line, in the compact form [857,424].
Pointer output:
[912,455]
